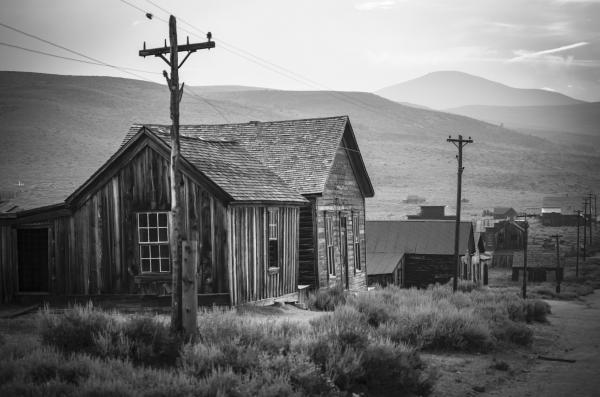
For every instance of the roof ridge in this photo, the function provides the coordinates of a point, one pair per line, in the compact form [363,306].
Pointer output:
[200,139]
[252,122]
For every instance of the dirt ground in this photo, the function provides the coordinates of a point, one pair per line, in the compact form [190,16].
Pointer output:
[573,333]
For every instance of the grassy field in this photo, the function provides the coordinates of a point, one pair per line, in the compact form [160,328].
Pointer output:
[370,344]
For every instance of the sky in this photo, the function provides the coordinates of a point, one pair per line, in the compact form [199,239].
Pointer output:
[316,44]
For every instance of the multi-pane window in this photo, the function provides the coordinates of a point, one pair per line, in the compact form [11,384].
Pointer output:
[153,238]
[356,236]
[329,243]
[273,222]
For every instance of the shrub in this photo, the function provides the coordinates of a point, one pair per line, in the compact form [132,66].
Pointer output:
[327,299]
[537,310]
[510,331]
[75,330]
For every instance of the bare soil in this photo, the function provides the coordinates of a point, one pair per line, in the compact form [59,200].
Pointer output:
[573,333]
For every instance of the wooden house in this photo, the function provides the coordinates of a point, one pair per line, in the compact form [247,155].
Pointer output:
[417,252]
[432,212]
[320,159]
[505,213]
[504,239]
[251,194]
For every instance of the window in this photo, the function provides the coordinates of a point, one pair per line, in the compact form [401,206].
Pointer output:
[273,222]
[329,243]
[153,238]
[356,235]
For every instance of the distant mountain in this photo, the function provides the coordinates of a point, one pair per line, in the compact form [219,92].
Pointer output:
[55,131]
[583,118]
[449,89]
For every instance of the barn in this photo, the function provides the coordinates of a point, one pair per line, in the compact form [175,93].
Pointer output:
[246,193]
[416,253]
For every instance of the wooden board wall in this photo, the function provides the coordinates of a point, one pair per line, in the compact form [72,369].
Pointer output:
[249,267]
[342,196]
[95,251]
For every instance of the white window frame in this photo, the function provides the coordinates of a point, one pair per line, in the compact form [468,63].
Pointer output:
[153,241]
[357,246]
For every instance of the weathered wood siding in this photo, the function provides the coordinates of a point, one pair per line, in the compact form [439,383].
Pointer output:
[96,251]
[107,249]
[249,253]
[422,270]
[341,197]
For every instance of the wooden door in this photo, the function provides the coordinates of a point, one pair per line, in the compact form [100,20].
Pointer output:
[344,250]
[32,251]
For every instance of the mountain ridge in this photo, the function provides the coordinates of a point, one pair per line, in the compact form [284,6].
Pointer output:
[450,89]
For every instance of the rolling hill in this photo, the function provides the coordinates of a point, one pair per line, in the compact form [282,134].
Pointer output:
[582,118]
[57,130]
[450,89]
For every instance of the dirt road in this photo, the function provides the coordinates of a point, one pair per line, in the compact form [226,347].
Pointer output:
[578,325]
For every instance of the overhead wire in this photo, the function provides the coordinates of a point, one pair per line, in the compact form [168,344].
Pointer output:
[100,63]
[69,58]
[272,66]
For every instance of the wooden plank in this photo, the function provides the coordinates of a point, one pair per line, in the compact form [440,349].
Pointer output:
[189,294]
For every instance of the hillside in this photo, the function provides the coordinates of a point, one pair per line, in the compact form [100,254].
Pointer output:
[449,89]
[57,130]
[583,118]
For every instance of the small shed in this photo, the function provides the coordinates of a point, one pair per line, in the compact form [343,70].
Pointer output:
[421,252]
[505,213]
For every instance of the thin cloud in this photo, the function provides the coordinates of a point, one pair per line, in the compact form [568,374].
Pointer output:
[525,55]
[374,5]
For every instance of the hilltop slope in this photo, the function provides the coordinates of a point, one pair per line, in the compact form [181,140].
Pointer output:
[57,130]
[449,89]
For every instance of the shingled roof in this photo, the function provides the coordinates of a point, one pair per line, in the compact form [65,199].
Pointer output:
[427,237]
[234,170]
[301,152]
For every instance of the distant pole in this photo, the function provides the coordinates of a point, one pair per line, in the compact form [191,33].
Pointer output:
[558,276]
[590,195]
[584,227]
[577,246]
[525,237]
[459,143]
[183,319]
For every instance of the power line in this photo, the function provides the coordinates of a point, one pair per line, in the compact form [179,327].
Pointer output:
[272,66]
[69,58]
[71,51]
[98,62]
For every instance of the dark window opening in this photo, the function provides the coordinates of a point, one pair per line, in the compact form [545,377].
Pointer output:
[273,238]
[356,236]
[329,244]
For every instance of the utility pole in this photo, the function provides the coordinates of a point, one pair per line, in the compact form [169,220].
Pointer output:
[584,227]
[181,320]
[577,246]
[558,275]
[590,195]
[525,238]
[459,143]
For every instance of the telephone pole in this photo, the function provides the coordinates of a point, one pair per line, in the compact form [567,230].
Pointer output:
[525,238]
[558,275]
[584,227]
[459,143]
[181,320]
[590,195]
[577,246]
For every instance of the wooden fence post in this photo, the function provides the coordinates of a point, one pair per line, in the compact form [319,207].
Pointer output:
[190,289]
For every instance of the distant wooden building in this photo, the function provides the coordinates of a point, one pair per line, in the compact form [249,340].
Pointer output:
[252,193]
[504,239]
[417,252]
[432,212]
[505,213]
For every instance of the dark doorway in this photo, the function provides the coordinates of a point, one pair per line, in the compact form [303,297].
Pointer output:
[344,249]
[485,274]
[33,259]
